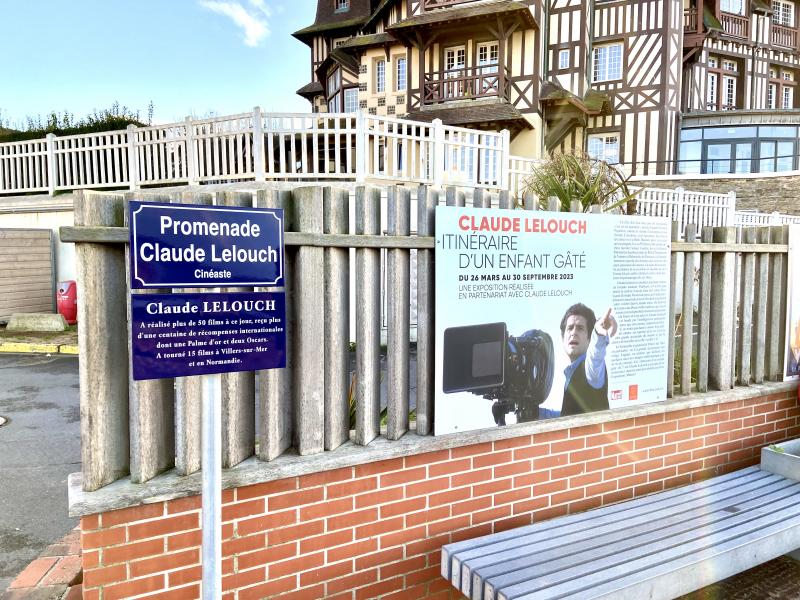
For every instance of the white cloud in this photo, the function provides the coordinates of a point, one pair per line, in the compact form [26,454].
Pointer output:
[253,20]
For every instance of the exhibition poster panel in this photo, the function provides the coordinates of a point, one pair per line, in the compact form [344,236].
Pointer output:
[541,314]
[792,361]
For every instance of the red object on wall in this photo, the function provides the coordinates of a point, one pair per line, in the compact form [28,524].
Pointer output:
[67,301]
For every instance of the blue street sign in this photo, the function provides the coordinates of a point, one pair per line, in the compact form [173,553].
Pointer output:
[184,245]
[177,335]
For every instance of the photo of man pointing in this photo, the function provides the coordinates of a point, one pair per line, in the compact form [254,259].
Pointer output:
[585,339]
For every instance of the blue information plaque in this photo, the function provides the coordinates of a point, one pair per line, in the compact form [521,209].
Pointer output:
[176,335]
[185,245]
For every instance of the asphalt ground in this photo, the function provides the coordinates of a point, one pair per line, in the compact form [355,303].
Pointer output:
[39,448]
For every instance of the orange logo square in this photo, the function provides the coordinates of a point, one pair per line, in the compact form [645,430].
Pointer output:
[633,392]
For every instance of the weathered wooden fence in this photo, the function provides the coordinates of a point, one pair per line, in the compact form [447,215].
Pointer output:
[144,428]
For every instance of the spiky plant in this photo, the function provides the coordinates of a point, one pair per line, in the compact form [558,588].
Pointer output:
[571,177]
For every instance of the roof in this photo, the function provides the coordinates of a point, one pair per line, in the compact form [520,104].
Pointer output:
[376,14]
[592,103]
[325,26]
[470,114]
[476,11]
[310,89]
[365,41]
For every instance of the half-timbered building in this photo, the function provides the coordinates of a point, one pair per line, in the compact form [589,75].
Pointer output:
[660,86]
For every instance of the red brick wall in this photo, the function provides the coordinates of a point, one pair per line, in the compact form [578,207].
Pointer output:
[375,530]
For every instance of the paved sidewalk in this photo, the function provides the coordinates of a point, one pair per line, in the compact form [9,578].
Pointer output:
[54,575]
[19,342]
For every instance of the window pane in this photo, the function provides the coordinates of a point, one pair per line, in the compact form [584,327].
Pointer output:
[718,156]
[689,157]
[717,133]
[563,59]
[777,131]
[400,79]
[785,159]
[380,76]
[691,134]
[351,100]
[743,155]
[767,153]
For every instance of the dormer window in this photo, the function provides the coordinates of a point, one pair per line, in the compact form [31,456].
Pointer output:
[341,5]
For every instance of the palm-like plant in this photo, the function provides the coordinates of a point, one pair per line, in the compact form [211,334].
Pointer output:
[571,177]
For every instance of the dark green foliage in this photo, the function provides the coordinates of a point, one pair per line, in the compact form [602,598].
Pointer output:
[114,118]
[577,177]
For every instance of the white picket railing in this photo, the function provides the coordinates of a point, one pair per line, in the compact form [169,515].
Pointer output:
[752,218]
[260,146]
[700,208]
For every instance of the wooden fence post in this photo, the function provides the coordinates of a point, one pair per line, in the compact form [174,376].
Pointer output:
[238,389]
[336,219]
[747,285]
[427,199]
[275,385]
[704,312]
[309,326]
[398,268]
[188,390]
[723,301]
[673,291]
[761,296]
[368,316]
[687,311]
[776,308]
[103,339]
[152,401]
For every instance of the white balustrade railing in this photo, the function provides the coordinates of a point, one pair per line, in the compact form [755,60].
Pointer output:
[753,218]
[260,146]
[700,208]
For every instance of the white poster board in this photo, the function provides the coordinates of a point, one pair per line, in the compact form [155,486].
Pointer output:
[792,359]
[505,280]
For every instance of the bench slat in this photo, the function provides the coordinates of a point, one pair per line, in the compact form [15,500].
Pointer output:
[450,550]
[704,543]
[610,537]
[571,564]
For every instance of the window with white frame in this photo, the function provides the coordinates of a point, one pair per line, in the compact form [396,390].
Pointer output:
[772,95]
[729,65]
[380,75]
[711,91]
[732,6]
[783,13]
[400,71]
[488,53]
[351,99]
[563,59]
[607,63]
[339,41]
[604,146]
[729,92]
[333,91]
[787,97]
[341,5]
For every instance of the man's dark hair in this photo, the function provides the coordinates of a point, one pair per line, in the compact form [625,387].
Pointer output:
[579,310]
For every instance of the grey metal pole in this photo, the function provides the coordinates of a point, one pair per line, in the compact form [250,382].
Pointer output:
[212,486]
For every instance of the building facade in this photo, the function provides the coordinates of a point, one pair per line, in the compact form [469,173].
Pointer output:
[660,86]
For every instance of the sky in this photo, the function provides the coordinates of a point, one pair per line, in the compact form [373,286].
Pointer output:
[189,57]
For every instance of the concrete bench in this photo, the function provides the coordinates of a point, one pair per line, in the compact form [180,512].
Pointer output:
[657,546]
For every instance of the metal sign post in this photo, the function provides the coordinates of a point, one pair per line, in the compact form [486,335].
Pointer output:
[212,486]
